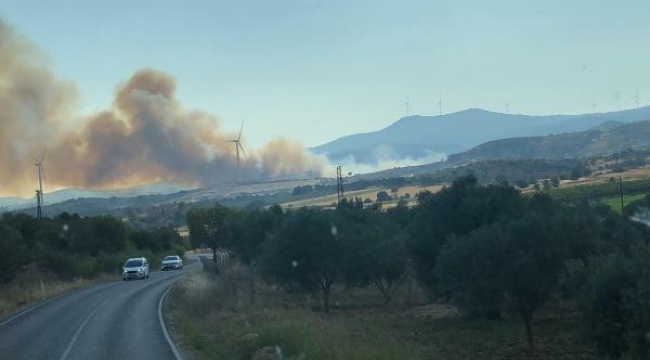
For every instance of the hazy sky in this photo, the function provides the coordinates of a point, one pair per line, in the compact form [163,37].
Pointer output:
[317,70]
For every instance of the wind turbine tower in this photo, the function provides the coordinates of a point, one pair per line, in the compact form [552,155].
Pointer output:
[407,106]
[440,104]
[238,147]
[39,192]
[507,107]
[594,107]
[636,97]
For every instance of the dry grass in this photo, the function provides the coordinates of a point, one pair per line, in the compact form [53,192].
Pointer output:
[324,201]
[32,286]
[218,320]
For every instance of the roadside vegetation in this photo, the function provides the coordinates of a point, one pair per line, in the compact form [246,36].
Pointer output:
[517,276]
[41,258]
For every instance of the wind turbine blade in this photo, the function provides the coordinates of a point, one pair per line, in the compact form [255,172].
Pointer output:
[242,150]
[240,131]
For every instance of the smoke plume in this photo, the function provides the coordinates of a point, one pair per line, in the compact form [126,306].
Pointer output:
[145,136]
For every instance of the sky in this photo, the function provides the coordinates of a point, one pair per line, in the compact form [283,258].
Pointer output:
[318,70]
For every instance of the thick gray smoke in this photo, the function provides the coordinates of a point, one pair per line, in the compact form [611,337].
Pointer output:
[145,136]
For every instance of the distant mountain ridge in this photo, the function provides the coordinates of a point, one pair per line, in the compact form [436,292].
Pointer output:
[421,136]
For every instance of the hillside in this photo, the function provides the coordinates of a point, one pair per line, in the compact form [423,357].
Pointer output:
[423,136]
[564,146]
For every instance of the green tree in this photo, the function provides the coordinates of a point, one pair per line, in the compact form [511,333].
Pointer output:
[383,196]
[536,254]
[13,253]
[454,212]
[108,234]
[255,228]
[613,298]
[517,259]
[214,227]
[374,246]
[307,252]
[470,270]
[555,181]
[387,258]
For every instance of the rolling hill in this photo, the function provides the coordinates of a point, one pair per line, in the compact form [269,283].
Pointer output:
[416,137]
[563,146]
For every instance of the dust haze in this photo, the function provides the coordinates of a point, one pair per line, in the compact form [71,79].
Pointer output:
[145,136]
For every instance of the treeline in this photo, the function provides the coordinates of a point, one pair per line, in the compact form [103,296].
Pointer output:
[71,246]
[486,249]
[524,171]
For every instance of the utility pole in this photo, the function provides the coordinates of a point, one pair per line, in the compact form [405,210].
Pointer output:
[38,204]
[339,184]
[39,191]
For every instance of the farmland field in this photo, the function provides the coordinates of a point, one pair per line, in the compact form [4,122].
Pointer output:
[614,202]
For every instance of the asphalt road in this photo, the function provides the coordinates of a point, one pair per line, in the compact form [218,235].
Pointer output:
[116,320]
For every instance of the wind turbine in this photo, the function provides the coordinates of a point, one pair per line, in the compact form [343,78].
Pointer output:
[238,147]
[636,97]
[594,107]
[507,107]
[440,104]
[407,105]
[39,192]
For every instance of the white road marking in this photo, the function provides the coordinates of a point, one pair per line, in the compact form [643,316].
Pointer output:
[177,353]
[79,330]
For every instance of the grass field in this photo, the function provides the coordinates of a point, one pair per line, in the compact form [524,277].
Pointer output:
[216,320]
[615,201]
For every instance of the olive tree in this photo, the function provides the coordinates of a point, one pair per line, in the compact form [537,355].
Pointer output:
[307,252]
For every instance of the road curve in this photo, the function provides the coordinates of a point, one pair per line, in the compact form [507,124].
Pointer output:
[117,320]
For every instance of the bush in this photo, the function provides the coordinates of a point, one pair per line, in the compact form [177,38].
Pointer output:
[614,302]
[383,196]
[13,253]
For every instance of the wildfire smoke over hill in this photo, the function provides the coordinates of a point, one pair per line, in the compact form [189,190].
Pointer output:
[145,136]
